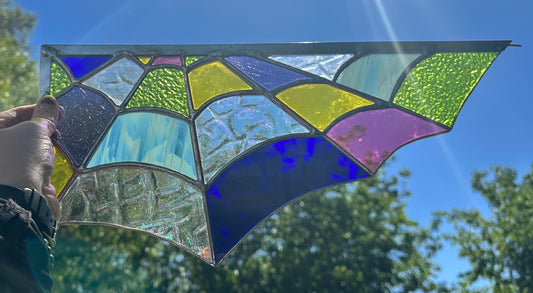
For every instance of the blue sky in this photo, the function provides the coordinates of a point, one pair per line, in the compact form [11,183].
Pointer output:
[493,128]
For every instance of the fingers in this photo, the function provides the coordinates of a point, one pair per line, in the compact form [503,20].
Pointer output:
[49,193]
[46,113]
[16,115]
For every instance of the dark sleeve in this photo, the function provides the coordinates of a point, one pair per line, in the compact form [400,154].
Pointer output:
[25,256]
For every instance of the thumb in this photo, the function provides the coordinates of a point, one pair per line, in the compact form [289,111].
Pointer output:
[46,113]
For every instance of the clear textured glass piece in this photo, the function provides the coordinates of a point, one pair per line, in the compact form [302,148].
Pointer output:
[163,88]
[150,138]
[325,66]
[321,104]
[258,184]
[81,65]
[58,79]
[213,79]
[144,199]
[87,115]
[376,74]
[266,74]
[230,126]
[438,86]
[372,136]
[117,79]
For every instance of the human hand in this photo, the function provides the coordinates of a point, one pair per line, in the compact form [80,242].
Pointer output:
[26,150]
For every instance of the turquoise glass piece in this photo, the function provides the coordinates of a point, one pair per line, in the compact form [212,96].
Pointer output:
[81,65]
[376,74]
[325,66]
[117,80]
[148,137]
[230,126]
[141,198]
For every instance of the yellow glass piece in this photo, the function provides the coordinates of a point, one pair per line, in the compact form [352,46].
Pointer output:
[144,59]
[321,104]
[62,171]
[211,80]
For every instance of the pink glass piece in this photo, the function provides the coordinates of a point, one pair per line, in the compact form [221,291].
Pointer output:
[172,60]
[372,136]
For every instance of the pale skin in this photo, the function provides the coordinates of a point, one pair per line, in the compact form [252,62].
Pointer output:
[26,152]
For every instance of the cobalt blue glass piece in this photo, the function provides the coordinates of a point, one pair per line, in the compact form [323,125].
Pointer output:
[87,114]
[257,185]
[266,74]
[79,66]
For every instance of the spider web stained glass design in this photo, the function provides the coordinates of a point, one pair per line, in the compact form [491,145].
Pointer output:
[198,144]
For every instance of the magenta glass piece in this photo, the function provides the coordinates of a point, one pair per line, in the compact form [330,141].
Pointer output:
[372,136]
[172,60]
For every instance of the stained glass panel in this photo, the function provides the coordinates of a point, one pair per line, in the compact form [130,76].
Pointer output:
[198,144]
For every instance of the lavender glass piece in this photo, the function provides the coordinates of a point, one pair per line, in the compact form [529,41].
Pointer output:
[117,79]
[171,60]
[79,66]
[372,136]
[87,115]
[267,75]
[258,184]
[140,198]
[325,66]
[232,125]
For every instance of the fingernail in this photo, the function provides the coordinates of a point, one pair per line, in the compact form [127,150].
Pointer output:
[48,100]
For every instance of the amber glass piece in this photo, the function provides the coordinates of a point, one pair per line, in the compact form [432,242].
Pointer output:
[163,88]
[62,171]
[58,79]
[320,104]
[144,59]
[438,86]
[211,80]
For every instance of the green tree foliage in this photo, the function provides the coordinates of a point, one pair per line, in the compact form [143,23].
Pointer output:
[500,247]
[349,238]
[18,73]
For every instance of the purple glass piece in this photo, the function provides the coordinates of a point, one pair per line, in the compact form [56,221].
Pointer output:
[87,115]
[172,60]
[79,66]
[372,136]
[265,180]
[267,75]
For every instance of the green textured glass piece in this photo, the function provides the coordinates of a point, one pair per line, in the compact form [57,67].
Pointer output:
[58,79]
[191,59]
[163,88]
[438,86]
